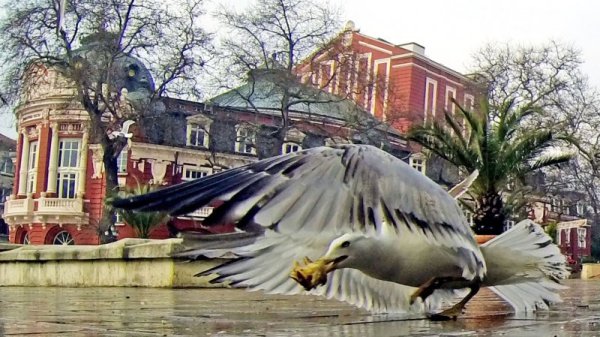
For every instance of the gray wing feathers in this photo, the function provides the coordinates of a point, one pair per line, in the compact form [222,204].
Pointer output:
[289,191]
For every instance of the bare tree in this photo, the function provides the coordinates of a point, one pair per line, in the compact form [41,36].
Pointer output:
[102,47]
[267,42]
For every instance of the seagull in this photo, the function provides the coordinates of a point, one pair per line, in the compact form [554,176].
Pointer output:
[124,130]
[370,230]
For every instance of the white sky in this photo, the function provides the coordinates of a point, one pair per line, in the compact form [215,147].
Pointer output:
[451,31]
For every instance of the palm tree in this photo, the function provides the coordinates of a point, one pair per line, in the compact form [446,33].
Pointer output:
[497,143]
[142,222]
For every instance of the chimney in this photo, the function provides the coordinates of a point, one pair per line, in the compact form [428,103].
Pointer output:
[414,47]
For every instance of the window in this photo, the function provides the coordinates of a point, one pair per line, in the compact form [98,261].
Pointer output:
[555,205]
[468,214]
[508,224]
[450,94]
[68,166]
[417,163]
[119,219]
[6,166]
[122,161]
[580,208]
[32,167]
[197,135]
[581,237]
[430,99]
[244,141]
[469,102]
[63,238]
[25,239]
[4,193]
[290,147]
[469,105]
[191,173]
[567,232]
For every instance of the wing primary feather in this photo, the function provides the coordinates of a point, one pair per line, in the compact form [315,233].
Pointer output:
[388,216]
[246,223]
[224,212]
[157,197]
[192,201]
[403,218]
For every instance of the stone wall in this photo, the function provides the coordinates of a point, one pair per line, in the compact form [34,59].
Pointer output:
[125,263]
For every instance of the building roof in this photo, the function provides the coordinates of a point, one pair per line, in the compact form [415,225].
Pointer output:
[7,143]
[263,93]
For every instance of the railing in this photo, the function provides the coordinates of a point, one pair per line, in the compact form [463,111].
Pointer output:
[18,207]
[200,213]
[59,205]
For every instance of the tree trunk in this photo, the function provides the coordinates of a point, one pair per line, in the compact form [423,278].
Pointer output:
[109,161]
[489,216]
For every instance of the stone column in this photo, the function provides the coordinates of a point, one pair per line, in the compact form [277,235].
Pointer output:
[53,161]
[83,164]
[23,165]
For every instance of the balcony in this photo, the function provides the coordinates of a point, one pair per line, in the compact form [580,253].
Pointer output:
[53,206]
[61,210]
[48,210]
[201,213]
[17,207]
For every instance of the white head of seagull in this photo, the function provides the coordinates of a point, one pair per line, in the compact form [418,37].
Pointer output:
[350,250]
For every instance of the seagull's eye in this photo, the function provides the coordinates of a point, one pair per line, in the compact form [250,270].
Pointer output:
[345,244]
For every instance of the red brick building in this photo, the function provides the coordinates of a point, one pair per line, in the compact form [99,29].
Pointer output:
[394,82]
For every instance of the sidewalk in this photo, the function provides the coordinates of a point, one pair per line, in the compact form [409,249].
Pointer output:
[91,312]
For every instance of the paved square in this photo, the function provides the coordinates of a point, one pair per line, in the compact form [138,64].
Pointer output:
[90,312]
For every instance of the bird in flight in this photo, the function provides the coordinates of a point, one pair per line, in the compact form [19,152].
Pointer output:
[371,230]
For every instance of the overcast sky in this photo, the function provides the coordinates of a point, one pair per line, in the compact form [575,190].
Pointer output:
[451,31]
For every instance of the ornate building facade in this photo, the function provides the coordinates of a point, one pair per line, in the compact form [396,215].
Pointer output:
[59,189]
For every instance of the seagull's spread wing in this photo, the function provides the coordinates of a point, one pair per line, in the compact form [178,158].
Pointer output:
[265,265]
[342,189]
[301,201]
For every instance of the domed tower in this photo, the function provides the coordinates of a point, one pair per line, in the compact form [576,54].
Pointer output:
[58,191]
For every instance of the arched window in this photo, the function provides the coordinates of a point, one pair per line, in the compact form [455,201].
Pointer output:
[63,238]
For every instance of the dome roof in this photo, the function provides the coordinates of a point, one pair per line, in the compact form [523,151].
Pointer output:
[126,71]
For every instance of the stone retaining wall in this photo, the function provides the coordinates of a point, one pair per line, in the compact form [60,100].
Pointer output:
[126,263]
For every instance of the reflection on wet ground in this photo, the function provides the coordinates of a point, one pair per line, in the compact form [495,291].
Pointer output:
[94,312]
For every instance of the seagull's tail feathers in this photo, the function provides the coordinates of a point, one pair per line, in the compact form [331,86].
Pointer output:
[524,267]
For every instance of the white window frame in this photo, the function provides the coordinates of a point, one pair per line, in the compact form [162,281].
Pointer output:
[70,171]
[580,208]
[567,236]
[122,161]
[197,128]
[582,233]
[508,224]
[418,162]
[468,214]
[471,99]
[32,166]
[430,109]
[245,140]
[189,170]
[289,147]
[7,166]
[449,106]
[468,105]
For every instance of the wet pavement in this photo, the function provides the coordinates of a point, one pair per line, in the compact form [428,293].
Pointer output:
[94,312]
